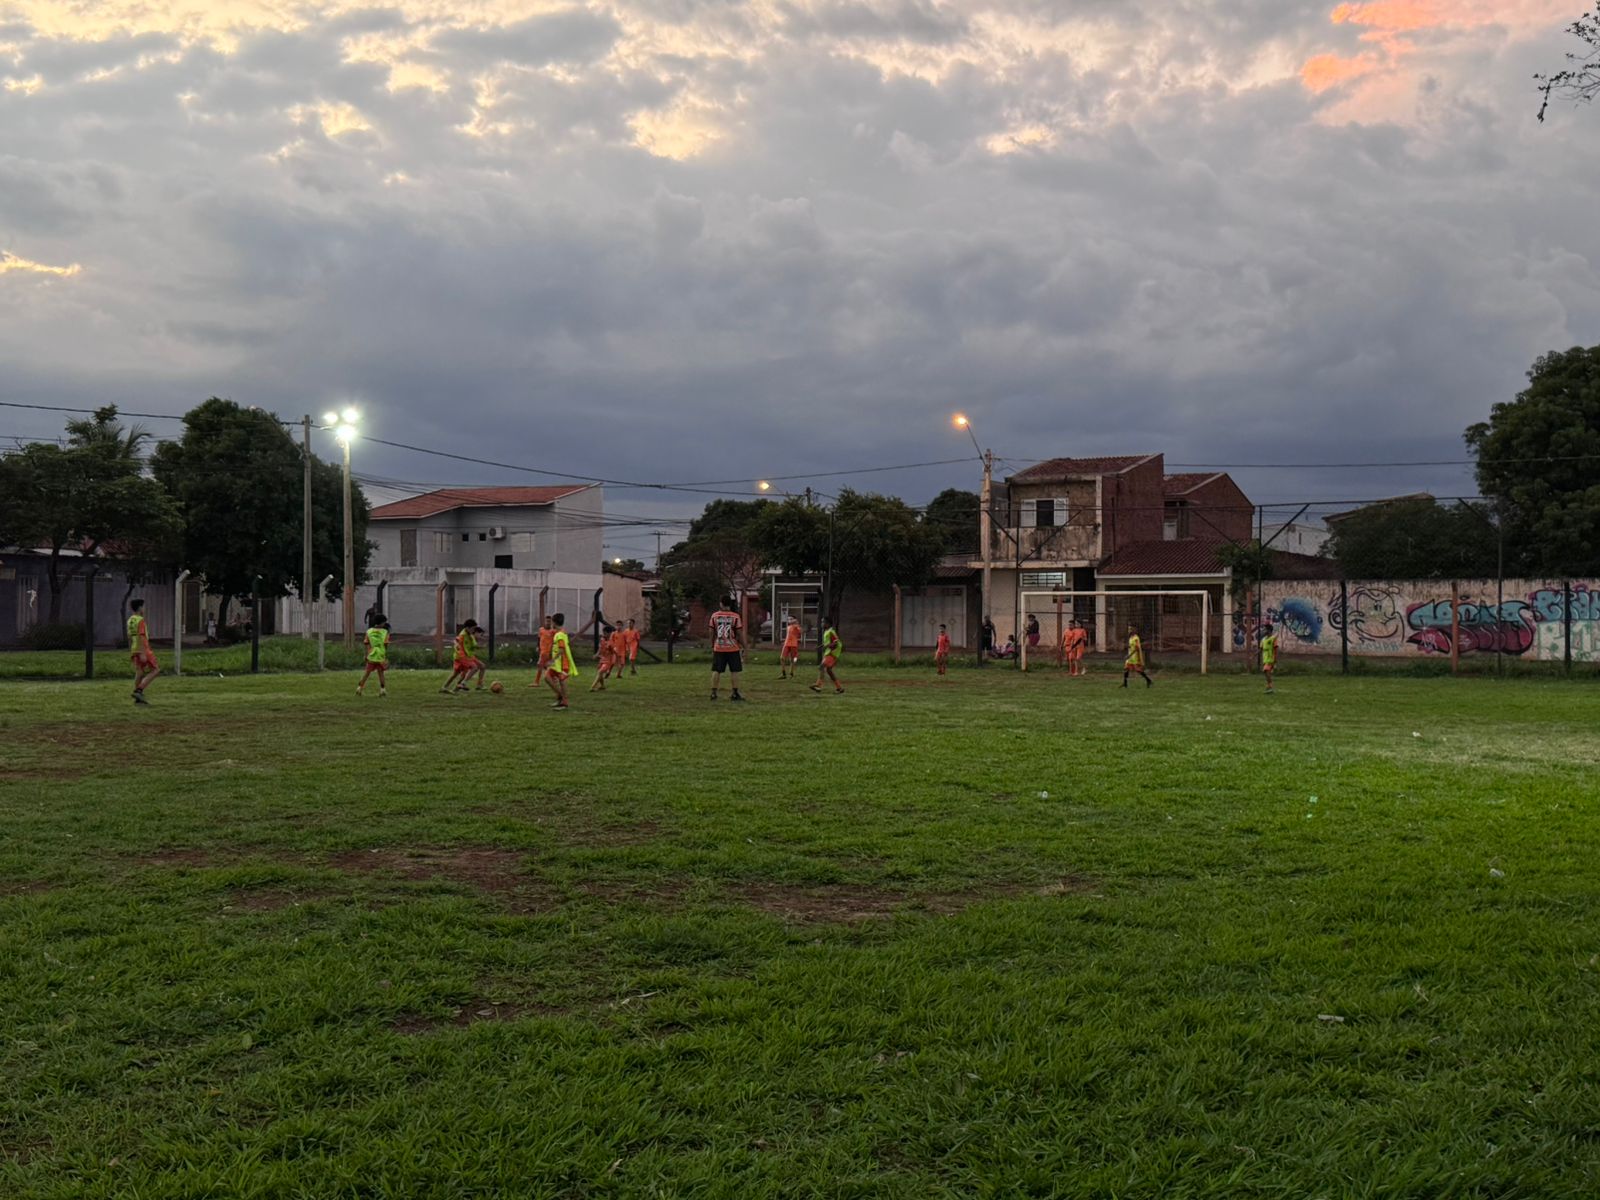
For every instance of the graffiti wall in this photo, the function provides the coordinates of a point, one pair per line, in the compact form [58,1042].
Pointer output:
[1525,618]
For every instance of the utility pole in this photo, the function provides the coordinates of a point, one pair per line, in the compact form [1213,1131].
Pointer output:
[305,561]
[349,556]
[658,552]
[985,528]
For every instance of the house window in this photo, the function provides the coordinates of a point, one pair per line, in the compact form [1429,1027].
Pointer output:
[522,543]
[408,547]
[503,561]
[466,537]
[483,537]
[1044,581]
[441,543]
[1169,529]
[1044,513]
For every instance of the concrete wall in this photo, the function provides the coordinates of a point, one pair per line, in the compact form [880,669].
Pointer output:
[1519,617]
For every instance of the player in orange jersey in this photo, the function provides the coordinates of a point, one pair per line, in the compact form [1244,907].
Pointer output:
[727,646]
[1074,642]
[789,656]
[632,634]
[547,635]
[619,650]
[607,658]
[941,651]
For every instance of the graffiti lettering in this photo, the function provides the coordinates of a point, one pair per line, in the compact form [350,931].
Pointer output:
[1484,628]
[1549,604]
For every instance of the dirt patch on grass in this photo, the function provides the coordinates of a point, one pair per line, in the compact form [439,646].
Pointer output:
[488,869]
[273,899]
[24,887]
[473,1013]
[188,857]
[844,904]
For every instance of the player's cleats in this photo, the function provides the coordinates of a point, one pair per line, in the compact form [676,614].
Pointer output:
[138,698]
[382,692]
[559,704]
[736,696]
[816,687]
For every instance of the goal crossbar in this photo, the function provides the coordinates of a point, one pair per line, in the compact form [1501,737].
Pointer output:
[1063,600]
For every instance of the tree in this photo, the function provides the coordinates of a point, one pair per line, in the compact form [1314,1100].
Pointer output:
[624,566]
[239,477]
[867,541]
[717,558]
[1539,460]
[1249,563]
[1580,81]
[1415,539]
[953,516]
[85,499]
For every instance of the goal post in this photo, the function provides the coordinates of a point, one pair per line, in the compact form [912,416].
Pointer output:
[1169,621]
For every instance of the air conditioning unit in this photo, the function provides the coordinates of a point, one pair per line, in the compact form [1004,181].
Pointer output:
[497,532]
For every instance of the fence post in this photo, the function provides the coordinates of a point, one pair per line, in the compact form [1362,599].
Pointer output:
[438,622]
[88,622]
[596,617]
[897,611]
[255,625]
[177,623]
[493,588]
[383,588]
[1344,627]
[1455,627]
[322,620]
[1566,626]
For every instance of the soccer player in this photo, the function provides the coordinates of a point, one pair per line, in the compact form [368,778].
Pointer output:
[1075,641]
[561,667]
[1135,659]
[1269,653]
[475,665]
[377,643]
[941,650]
[619,650]
[789,656]
[547,635]
[832,650]
[145,666]
[632,634]
[727,646]
[608,658]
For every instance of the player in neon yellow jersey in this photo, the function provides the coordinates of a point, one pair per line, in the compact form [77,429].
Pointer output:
[377,643]
[562,667]
[832,652]
[1269,653]
[1135,659]
[145,666]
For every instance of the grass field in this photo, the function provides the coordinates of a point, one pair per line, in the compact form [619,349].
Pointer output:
[986,936]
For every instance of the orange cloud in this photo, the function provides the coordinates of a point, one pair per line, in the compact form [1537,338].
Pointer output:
[1329,70]
[1393,16]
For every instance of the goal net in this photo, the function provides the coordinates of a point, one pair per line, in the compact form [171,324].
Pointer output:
[1168,622]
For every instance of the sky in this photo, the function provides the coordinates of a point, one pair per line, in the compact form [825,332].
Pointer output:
[687,241]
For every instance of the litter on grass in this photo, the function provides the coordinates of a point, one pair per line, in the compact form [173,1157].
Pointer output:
[1330,1019]
[1496,873]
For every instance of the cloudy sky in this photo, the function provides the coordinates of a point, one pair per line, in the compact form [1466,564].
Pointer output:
[689,240]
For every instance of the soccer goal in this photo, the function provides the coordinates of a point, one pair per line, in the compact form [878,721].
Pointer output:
[1169,622]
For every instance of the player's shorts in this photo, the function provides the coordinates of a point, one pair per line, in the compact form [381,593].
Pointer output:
[1130,665]
[377,664]
[143,660]
[727,660]
[829,661]
[556,672]
[544,662]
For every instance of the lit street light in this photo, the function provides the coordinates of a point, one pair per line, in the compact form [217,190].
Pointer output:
[344,429]
[984,532]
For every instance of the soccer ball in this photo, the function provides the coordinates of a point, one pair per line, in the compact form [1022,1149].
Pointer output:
[497,687]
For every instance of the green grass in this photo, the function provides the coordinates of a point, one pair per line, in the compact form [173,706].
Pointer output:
[263,939]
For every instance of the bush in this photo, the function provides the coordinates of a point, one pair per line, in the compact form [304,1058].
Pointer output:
[54,635]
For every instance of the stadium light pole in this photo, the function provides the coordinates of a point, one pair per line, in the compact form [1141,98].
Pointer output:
[344,431]
[984,517]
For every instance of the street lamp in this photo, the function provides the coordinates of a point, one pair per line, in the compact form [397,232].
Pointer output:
[343,424]
[984,518]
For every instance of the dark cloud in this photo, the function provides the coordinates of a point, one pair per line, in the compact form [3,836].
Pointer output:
[1102,227]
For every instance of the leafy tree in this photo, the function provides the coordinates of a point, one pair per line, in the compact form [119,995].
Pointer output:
[626,566]
[239,475]
[1580,80]
[1249,563]
[717,557]
[868,542]
[1539,459]
[953,515]
[1414,539]
[86,499]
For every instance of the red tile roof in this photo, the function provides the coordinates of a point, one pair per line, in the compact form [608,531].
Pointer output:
[446,499]
[1061,468]
[1177,485]
[1186,556]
